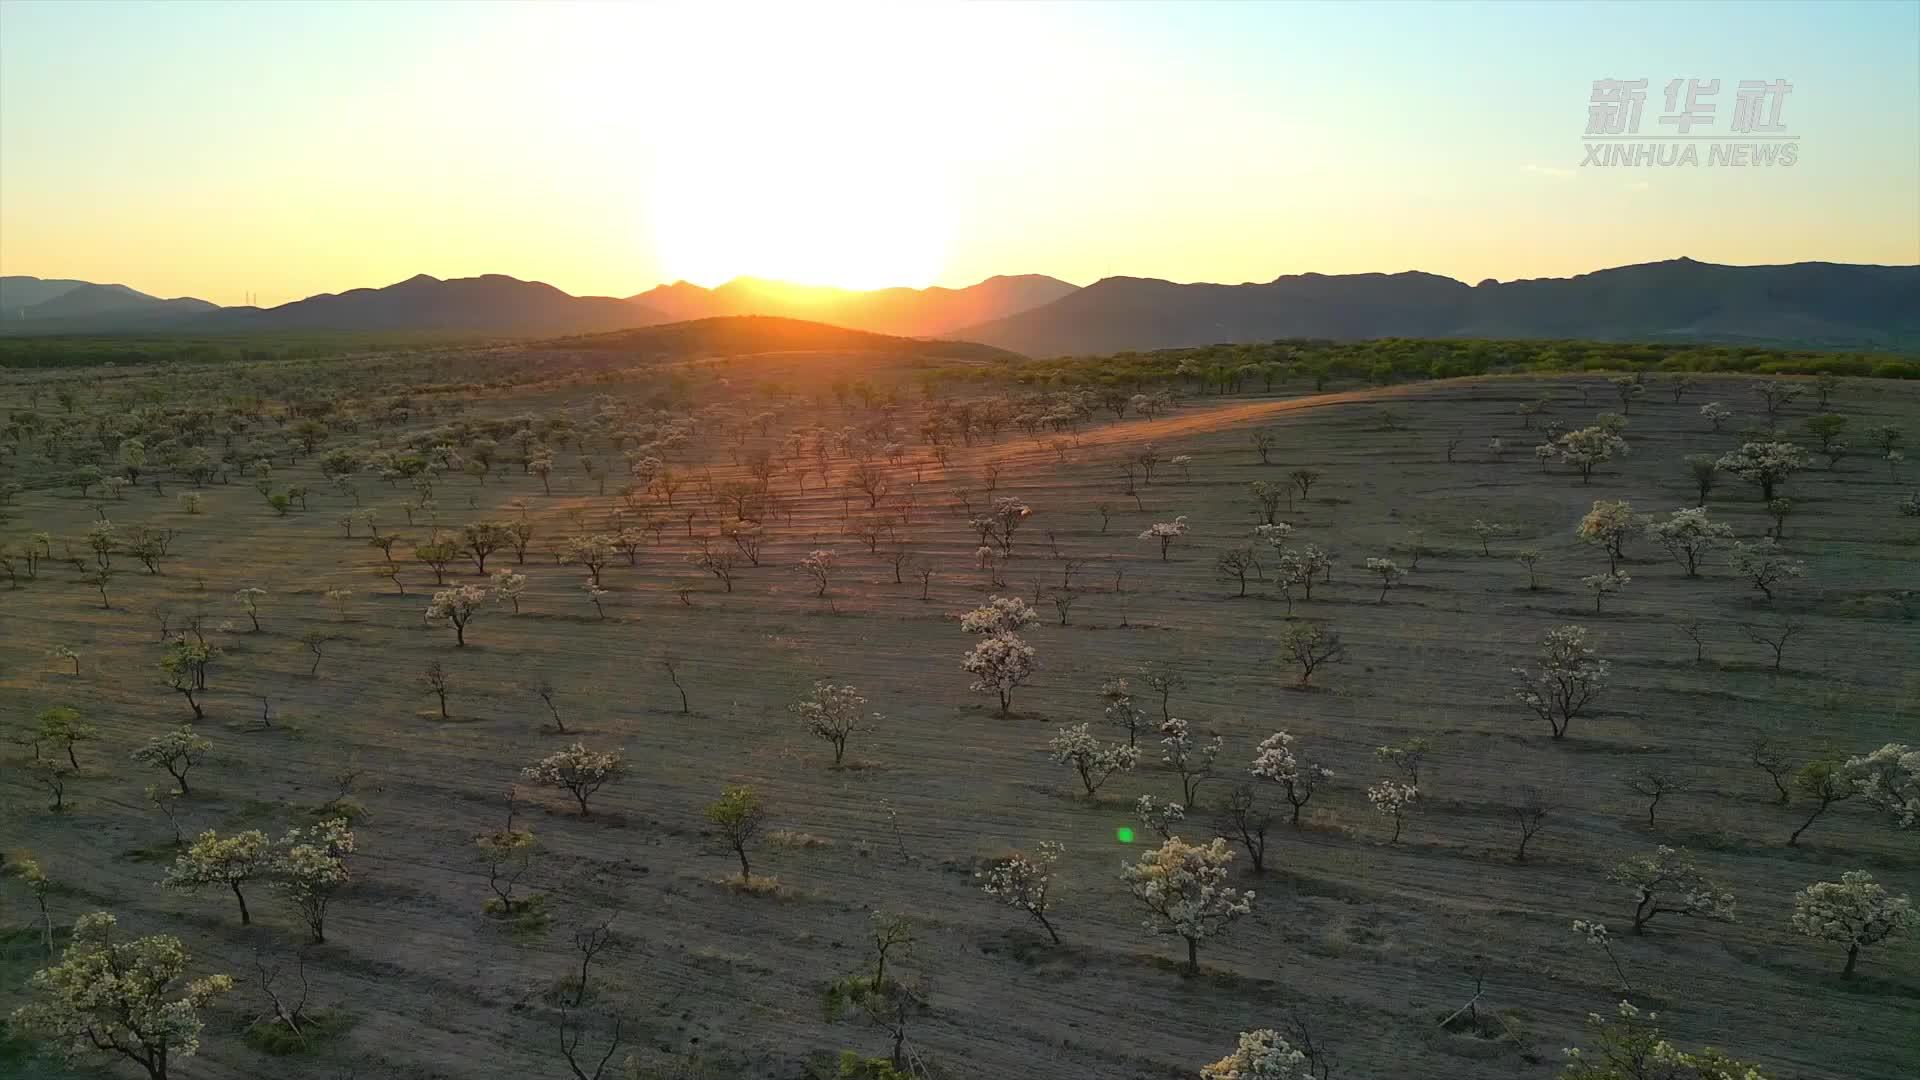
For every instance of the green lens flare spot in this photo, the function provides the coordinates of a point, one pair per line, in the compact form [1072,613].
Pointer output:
[1123,834]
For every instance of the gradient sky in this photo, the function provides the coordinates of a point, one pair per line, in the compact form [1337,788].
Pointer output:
[212,149]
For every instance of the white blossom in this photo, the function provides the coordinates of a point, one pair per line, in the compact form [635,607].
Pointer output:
[1095,762]
[1889,778]
[999,615]
[1183,887]
[1261,1055]
[1855,911]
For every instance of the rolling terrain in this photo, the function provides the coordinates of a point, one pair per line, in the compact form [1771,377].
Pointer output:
[1375,942]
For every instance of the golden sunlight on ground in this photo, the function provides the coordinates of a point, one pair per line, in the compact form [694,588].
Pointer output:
[803,148]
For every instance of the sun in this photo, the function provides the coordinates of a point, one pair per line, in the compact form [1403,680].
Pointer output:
[855,223]
[803,148]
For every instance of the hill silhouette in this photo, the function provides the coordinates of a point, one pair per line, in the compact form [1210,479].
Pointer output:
[58,305]
[907,312]
[489,304]
[1828,305]
[1807,305]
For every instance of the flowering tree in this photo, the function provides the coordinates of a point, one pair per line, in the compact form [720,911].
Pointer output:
[456,607]
[998,526]
[832,713]
[593,552]
[1261,1055]
[1596,934]
[1276,761]
[1715,413]
[177,751]
[507,585]
[579,770]
[1391,798]
[819,567]
[595,595]
[1299,569]
[232,861]
[1688,535]
[1025,882]
[1855,911]
[114,998]
[1602,584]
[1389,572]
[1568,678]
[1608,526]
[1775,395]
[1668,883]
[1586,449]
[1632,1047]
[1166,532]
[1889,778]
[1157,816]
[1120,710]
[1183,887]
[1076,746]
[1487,531]
[1764,564]
[1192,762]
[250,601]
[1000,615]
[1310,645]
[311,868]
[1407,755]
[1002,661]
[1766,464]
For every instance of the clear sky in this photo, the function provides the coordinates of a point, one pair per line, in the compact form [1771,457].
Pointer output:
[287,148]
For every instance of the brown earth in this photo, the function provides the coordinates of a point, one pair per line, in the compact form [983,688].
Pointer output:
[1375,943]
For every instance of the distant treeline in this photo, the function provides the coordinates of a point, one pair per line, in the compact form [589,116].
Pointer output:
[65,352]
[1232,368]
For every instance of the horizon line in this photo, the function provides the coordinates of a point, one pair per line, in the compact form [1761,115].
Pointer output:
[632,297]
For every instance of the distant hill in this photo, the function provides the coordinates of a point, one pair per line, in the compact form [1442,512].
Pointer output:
[54,306]
[1804,305]
[738,335]
[490,304]
[18,291]
[1827,305]
[906,312]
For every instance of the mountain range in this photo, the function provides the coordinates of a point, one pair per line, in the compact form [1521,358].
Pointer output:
[57,306]
[1831,305]
[1826,305]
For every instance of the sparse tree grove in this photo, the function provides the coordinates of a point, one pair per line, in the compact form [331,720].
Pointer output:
[751,525]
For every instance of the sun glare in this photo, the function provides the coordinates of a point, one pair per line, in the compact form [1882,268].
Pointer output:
[802,146]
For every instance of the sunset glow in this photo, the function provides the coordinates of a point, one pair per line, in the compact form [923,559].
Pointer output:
[803,153]
[280,150]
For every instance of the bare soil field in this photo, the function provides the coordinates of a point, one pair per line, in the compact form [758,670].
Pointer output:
[1375,942]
